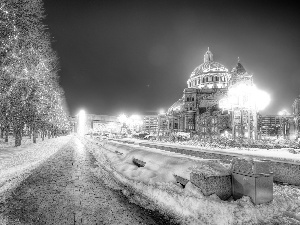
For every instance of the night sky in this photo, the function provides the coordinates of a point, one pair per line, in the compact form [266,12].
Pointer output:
[136,56]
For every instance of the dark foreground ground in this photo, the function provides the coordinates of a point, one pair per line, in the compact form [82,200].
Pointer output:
[64,190]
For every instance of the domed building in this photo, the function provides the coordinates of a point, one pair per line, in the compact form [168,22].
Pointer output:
[209,74]
[197,111]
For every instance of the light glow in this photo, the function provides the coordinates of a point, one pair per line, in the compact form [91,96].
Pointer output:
[161,111]
[283,112]
[81,122]
[122,118]
[245,96]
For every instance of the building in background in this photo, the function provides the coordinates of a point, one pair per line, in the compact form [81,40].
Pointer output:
[150,124]
[296,115]
[99,124]
[277,126]
[198,112]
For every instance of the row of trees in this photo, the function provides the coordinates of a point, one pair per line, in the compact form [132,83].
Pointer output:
[29,91]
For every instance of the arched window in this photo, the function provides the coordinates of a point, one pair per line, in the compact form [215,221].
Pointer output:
[203,80]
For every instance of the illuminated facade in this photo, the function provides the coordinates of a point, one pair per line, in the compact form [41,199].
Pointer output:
[296,115]
[276,126]
[150,124]
[97,124]
[198,110]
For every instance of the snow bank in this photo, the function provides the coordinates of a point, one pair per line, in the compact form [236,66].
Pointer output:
[16,163]
[154,187]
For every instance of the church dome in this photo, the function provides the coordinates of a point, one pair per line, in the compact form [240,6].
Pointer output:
[177,106]
[209,67]
[209,74]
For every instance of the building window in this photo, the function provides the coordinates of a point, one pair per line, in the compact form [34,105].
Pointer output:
[187,99]
[203,80]
[192,98]
[191,108]
[216,78]
[206,79]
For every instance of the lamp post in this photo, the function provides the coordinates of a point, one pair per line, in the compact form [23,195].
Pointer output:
[244,97]
[81,122]
[122,119]
[284,122]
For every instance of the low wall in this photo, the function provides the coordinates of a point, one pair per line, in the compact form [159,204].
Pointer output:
[284,172]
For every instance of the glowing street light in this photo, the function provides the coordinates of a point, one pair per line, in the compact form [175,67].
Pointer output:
[122,118]
[161,111]
[135,122]
[81,122]
[283,112]
[243,96]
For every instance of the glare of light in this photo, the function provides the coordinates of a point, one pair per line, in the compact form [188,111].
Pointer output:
[135,120]
[283,112]
[244,96]
[161,111]
[81,122]
[122,118]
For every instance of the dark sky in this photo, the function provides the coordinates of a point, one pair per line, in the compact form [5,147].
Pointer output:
[136,56]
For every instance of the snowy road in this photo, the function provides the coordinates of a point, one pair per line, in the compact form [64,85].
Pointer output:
[64,190]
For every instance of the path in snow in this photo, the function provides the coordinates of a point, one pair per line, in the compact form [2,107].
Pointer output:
[63,190]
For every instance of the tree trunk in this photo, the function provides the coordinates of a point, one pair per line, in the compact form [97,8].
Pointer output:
[43,135]
[49,134]
[2,132]
[30,131]
[6,133]
[18,137]
[34,134]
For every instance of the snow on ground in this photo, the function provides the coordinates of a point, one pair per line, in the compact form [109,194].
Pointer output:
[284,154]
[154,187]
[16,163]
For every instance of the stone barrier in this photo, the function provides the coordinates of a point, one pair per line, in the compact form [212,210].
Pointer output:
[212,184]
[181,180]
[284,172]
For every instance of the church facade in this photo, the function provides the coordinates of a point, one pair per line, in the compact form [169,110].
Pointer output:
[198,112]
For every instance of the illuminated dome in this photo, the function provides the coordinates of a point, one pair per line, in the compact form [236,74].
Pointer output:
[177,106]
[209,74]
[209,67]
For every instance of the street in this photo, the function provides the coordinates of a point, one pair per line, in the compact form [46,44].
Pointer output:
[64,190]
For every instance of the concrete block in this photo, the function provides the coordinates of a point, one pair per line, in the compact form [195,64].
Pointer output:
[251,166]
[181,180]
[213,184]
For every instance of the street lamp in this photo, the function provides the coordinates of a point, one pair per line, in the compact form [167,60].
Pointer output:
[123,120]
[135,122]
[81,122]
[244,96]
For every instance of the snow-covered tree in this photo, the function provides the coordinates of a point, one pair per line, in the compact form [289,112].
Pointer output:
[29,88]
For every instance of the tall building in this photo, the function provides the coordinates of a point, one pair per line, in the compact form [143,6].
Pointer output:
[296,114]
[198,110]
[150,124]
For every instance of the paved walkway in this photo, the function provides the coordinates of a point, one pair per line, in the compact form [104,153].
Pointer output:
[64,191]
